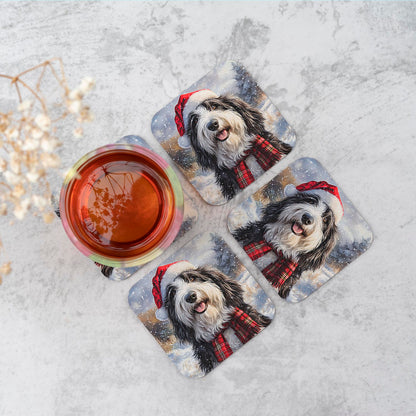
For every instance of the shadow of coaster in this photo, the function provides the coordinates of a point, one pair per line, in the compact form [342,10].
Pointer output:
[201,305]
[300,229]
[190,217]
[223,133]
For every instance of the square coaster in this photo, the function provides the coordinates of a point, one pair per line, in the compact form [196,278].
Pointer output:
[300,229]
[223,132]
[190,216]
[201,305]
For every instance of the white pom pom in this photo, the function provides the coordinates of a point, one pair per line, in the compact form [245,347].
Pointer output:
[162,314]
[184,142]
[290,190]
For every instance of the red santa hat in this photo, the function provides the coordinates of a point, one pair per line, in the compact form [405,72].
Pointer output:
[328,193]
[165,275]
[187,103]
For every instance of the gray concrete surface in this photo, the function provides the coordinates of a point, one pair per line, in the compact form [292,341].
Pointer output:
[343,74]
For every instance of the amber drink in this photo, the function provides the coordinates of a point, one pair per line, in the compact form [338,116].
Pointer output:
[121,205]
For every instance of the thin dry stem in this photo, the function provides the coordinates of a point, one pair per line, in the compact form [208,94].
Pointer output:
[28,141]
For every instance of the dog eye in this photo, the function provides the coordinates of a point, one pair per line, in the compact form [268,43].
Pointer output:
[214,106]
[325,220]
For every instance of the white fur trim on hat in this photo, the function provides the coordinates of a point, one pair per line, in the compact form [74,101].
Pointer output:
[194,100]
[168,277]
[173,271]
[290,190]
[326,192]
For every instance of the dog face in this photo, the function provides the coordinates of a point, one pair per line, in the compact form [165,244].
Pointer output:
[301,226]
[199,302]
[223,127]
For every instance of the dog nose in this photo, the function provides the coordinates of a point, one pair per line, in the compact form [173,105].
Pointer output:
[307,219]
[190,297]
[212,125]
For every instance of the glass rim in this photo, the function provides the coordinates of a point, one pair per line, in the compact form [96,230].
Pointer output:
[165,241]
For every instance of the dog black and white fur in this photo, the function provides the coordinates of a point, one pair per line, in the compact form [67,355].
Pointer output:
[302,227]
[221,130]
[198,303]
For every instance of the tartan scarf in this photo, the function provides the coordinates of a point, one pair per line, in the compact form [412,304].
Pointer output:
[277,272]
[244,327]
[266,156]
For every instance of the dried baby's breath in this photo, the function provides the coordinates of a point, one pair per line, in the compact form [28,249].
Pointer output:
[74,106]
[87,84]
[21,208]
[78,133]
[3,208]
[39,202]
[43,122]
[28,137]
[3,165]
[48,217]
[25,106]
[5,269]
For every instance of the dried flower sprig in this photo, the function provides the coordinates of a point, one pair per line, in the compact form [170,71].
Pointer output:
[29,138]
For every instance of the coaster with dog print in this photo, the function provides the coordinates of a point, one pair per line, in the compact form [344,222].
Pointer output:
[300,229]
[223,133]
[201,305]
[190,216]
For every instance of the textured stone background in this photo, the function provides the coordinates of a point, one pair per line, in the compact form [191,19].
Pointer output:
[343,74]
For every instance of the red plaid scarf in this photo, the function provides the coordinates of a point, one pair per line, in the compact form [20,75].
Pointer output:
[245,329]
[277,272]
[266,156]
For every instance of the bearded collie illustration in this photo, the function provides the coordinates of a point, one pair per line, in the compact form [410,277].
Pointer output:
[206,309]
[229,137]
[294,236]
